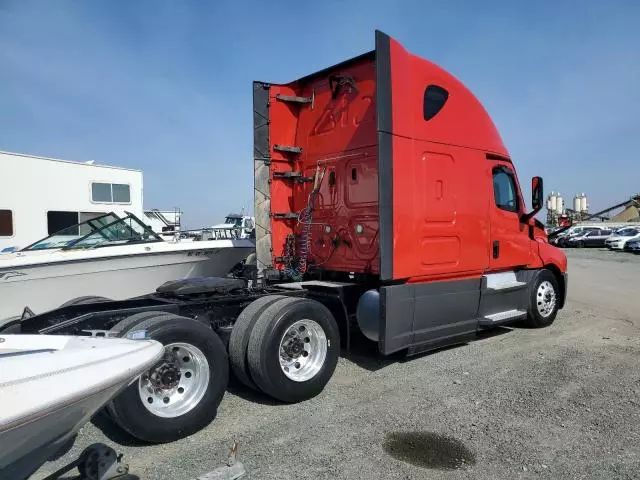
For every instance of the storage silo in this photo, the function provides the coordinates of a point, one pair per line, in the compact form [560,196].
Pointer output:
[554,202]
[577,203]
[584,206]
[560,204]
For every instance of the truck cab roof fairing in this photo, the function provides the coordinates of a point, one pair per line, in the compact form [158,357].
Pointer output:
[462,121]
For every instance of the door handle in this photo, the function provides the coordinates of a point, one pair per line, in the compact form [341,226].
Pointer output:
[496,248]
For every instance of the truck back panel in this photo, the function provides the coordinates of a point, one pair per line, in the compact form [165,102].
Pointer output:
[360,168]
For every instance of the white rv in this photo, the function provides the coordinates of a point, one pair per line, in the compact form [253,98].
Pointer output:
[39,196]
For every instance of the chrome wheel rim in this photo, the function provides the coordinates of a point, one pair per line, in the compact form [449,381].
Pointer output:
[303,350]
[177,383]
[545,299]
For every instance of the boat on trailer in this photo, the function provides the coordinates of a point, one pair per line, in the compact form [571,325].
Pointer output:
[51,385]
[107,257]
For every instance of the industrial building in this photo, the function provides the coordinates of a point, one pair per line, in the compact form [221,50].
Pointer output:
[559,214]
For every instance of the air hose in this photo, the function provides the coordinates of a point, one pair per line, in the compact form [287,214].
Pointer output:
[305,217]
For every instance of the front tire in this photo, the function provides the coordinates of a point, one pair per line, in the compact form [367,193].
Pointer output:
[179,395]
[293,349]
[543,300]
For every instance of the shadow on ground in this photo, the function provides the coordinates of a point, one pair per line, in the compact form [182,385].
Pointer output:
[365,354]
[80,477]
[246,393]
[103,422]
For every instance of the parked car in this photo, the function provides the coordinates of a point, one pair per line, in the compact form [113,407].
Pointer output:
[571,240]
[621,237]
[633,246]
[562,240]
[589,238]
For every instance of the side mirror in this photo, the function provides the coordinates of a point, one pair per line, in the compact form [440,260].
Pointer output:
[536,193]
[536,199]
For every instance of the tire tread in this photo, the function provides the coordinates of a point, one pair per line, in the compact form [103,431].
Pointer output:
[534,319]
[240,335]
[263,324]
[266,372]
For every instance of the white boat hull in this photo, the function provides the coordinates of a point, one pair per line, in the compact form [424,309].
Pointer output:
[51,385]
[45,286]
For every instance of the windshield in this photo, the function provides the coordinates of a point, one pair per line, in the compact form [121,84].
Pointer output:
[71,234]
[101,231]
[235,221]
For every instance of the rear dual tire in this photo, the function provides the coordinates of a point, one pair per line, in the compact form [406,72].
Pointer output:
[239,339]
[282,335]
[288,347]
[264,335]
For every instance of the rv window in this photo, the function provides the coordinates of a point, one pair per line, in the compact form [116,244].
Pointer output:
[6,223]
[121,193]
[434,99]
[101,192]
[110,193]
[504,189]
[57,221]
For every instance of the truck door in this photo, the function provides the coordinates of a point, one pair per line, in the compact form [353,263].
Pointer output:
[510,241]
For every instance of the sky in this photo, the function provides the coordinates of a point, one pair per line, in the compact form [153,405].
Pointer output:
[165,86]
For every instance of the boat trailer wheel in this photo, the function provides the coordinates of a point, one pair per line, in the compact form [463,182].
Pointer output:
[177,383]
[101,462]
[96,462]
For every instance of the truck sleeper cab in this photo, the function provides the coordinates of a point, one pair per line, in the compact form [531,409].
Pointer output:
[386,170]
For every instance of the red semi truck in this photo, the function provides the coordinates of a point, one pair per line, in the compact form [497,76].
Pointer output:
[385,201]
[405,186]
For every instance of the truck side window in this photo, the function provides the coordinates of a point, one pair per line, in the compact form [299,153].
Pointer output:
[434,99]
[504,189]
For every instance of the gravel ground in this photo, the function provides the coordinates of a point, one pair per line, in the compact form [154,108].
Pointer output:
[556,403]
